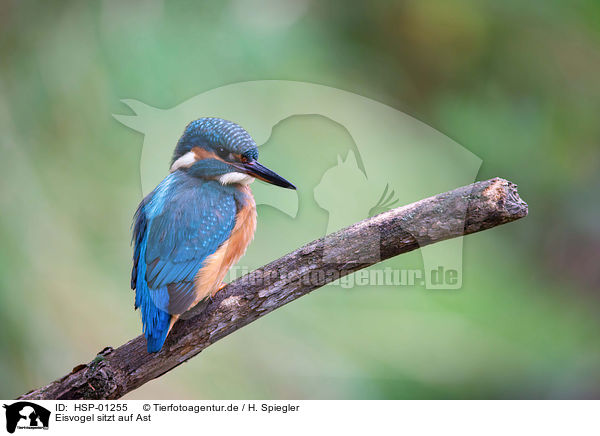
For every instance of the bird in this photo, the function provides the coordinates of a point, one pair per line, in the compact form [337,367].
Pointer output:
[195,224]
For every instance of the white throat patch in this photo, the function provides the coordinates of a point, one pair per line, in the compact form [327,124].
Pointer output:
[231,178]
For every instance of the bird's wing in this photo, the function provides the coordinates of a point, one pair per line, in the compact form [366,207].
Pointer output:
[177,227]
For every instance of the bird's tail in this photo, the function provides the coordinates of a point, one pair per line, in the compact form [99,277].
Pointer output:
[156,321]
[156,336]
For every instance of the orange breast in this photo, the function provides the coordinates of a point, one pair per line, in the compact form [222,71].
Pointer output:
[210,277]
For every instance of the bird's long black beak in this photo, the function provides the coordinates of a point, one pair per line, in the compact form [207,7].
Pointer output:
[261,172]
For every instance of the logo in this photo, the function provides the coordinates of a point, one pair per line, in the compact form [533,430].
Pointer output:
[26,415]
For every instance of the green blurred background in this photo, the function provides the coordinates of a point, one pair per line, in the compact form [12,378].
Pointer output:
[516,83]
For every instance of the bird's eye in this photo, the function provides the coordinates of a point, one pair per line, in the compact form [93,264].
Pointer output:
[222,152]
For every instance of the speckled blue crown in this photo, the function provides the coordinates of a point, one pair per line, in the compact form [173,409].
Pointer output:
[213,133]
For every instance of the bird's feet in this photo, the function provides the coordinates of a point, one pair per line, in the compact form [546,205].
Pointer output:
[221,286]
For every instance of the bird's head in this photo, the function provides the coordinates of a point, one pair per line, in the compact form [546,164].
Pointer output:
[216,149]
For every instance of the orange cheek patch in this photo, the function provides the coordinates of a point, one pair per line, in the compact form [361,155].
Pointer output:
[202,153]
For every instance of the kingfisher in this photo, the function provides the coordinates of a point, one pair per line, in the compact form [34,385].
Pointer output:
[195,224]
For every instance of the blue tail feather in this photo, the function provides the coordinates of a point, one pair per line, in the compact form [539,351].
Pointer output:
[155,338]
[156,321]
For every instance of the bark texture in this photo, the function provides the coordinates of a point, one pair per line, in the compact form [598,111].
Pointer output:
[469,209]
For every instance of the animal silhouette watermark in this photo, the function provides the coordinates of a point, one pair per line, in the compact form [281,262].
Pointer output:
[386,159]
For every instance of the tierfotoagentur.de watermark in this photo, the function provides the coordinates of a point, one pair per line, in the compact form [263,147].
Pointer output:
[348,279]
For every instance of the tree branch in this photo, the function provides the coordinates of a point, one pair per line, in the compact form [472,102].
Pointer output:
[115,372]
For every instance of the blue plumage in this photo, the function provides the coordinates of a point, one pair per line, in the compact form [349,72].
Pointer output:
[188,216]
[177,226]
